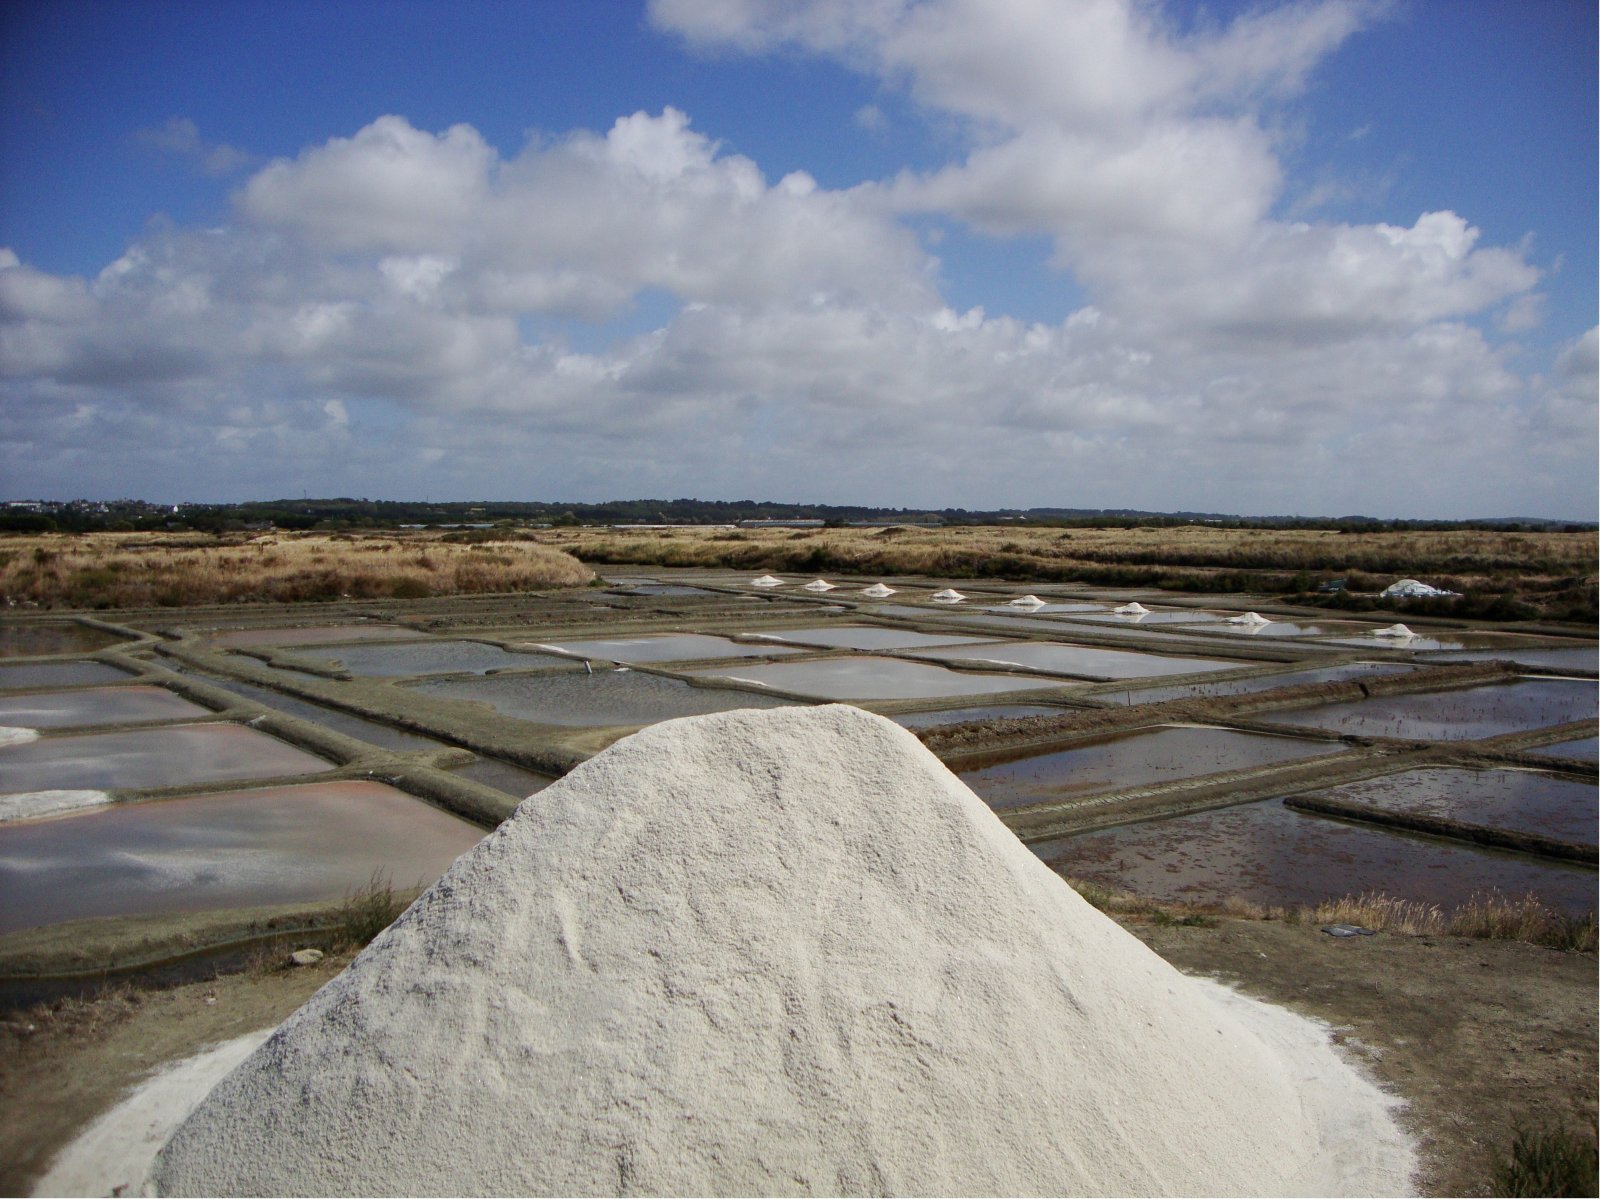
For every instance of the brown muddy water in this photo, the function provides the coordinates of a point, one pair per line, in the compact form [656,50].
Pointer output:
[235,849]
[868,678]
[171,756]
[1269,854]
[59,674]
[1082,660]
[96,705]
[667,647]
[1466,714]
[28,640]
[1139,758]
[606,698]
[1526,801]
[430,657]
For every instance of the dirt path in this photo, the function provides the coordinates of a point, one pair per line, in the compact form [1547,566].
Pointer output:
[1475,1035]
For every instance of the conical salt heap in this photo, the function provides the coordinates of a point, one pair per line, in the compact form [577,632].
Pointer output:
[776,952]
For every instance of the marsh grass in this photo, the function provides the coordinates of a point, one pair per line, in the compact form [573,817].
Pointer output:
[1514,575]
[111,570]
[367,911]
[1547,1161]
[1491,916]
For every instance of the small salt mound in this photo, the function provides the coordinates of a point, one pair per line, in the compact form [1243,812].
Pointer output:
[1133,609]
[878,591]
[819,585]
[948,596]
[1413,589]
[10,735]
[775,952]
[1249,618]
[1026,601]
[1394,630]
[29,805]
[766,581]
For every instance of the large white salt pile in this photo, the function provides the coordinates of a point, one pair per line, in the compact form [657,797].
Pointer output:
[766,952]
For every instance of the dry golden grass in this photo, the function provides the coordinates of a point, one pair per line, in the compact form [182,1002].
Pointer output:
[1491,916]
[1553,572]
[134,570]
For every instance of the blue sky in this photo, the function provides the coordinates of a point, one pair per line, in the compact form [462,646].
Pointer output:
[1319,258]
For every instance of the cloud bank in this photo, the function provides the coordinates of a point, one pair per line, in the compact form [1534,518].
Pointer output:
[639,311]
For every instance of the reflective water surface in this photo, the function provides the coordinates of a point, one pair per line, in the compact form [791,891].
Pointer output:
[158,757]
[96,705]
[1269,854]
[1086,660]
[1133,759]
[1465,714]
[1526,801]
[601,699]
[669,647]
[314,841]
[27,640]
[1291,678]
[862,636]
[924,720]
[59,674]
[432,657]
[876,678]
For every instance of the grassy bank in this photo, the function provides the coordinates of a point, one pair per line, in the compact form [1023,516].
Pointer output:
[1491,917]
[141,570]
[1501,575]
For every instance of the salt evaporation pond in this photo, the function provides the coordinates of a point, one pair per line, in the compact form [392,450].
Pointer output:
[1134,759]
[235,849]
[170,756]
[1502,645]
[59,674]
[1466,714]
[1073,606]
[314,635]
[96,705]
[1267,853]
[868,678]
[1525,801]
[371,731]
[668,647]
[433,657]
[861,636]
[516,781]
[1581,747]
[1557,658]
[669,589]
[1292,678]
[602,699]
[1082,660]
[1162,616]
[925,720]
[28,640]
[1285,628]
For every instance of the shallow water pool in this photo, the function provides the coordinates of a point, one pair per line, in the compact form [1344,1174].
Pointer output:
[96,705]
[1525,801]
[1463,714]
[1269,854]
[598,700]
[926,720]
[432,657]
[1084,660]
[1292,678]
[170,756]
[59,674]
[234,849]
[27,640]
[669,647]
[867,678]
[862,636]
[1139,758]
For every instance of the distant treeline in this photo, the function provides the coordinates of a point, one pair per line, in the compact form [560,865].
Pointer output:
[344,512]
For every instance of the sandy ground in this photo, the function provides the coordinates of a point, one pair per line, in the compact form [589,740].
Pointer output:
[1474,1035]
